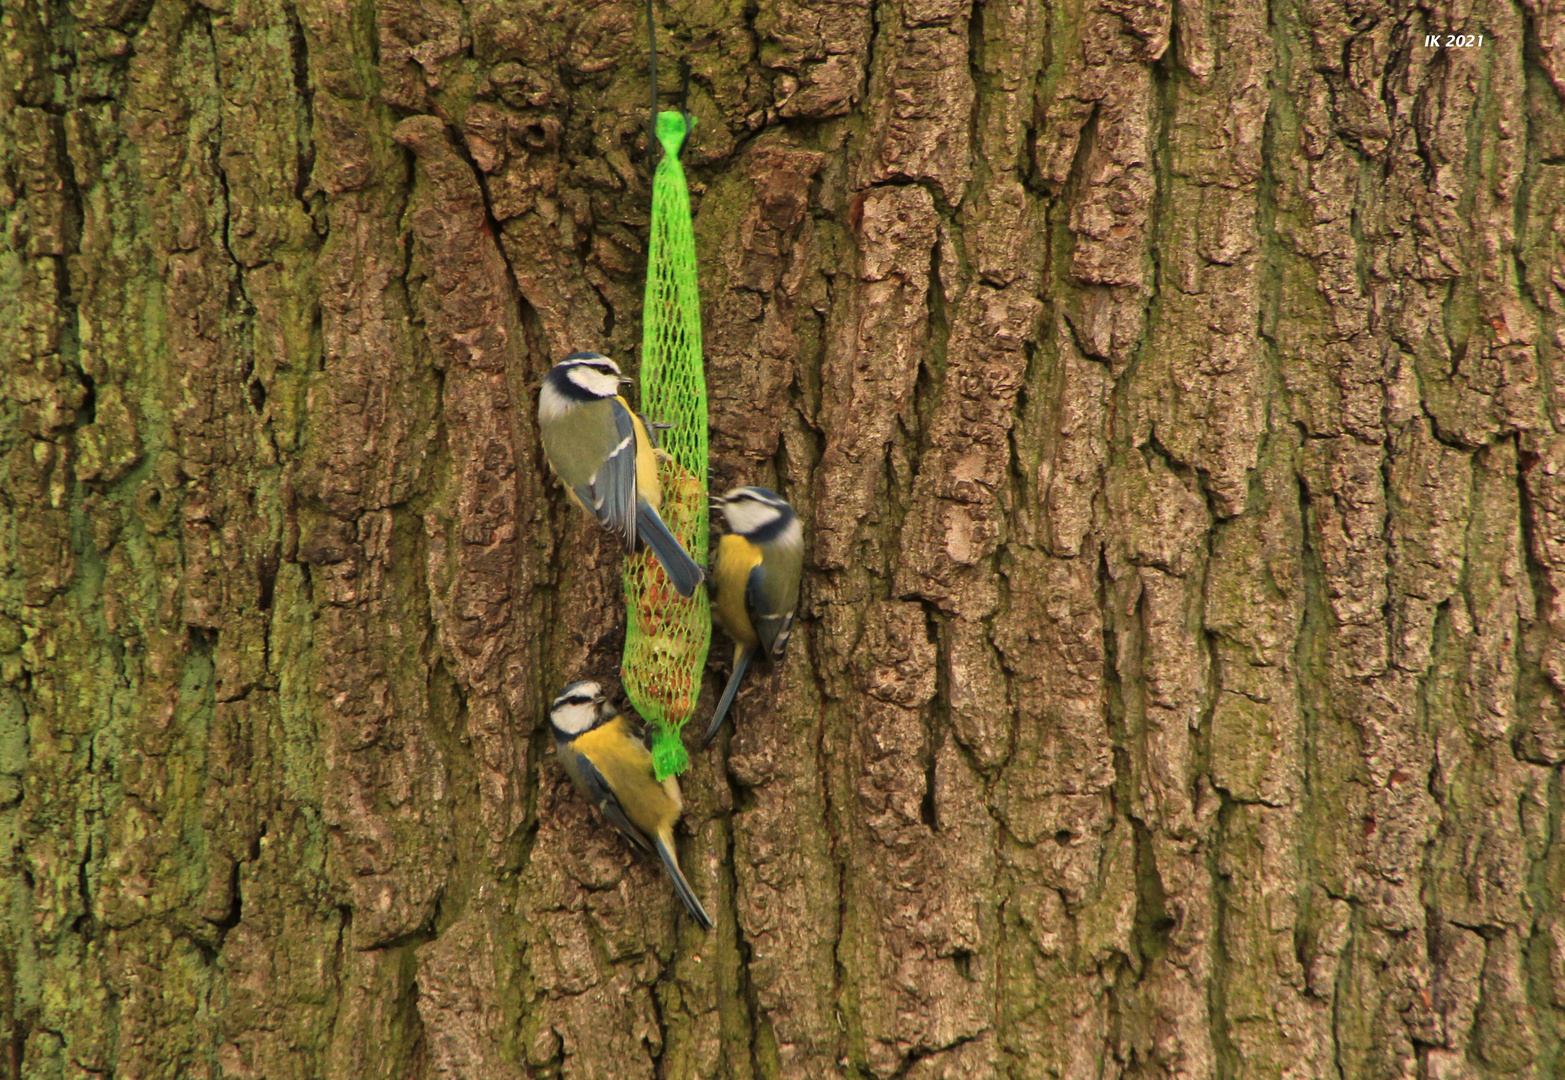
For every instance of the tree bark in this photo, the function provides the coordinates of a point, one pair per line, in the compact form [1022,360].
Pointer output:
[1174,394]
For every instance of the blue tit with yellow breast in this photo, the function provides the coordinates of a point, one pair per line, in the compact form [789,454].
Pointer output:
[608,759]
[756,577]
[603,454]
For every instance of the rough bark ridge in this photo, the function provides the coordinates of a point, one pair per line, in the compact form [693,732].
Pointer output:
[1176,395]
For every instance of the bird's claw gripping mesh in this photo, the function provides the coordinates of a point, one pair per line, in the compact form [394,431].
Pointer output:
[666,635]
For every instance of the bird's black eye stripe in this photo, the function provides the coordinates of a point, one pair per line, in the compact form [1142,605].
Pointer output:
[575,699]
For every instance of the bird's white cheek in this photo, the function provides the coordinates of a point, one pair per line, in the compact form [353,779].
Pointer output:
[595,383]
[552,404]
[792,536]
[574,719]
[747,517]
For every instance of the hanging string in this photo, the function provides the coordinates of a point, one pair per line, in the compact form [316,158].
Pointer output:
[652,120]
[654,146]
[684,103]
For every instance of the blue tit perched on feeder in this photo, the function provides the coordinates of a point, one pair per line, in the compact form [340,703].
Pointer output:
[601,450]
[610,763]
[756,575]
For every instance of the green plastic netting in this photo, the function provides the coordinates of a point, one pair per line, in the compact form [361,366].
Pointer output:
[667,636]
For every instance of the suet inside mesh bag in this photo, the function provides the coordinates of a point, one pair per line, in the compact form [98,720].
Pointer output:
[666,636]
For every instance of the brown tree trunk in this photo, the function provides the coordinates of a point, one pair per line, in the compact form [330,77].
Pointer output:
[1174,394]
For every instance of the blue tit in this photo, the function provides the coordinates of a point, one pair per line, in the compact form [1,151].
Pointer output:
[756,574]
[601,450]
[611,765]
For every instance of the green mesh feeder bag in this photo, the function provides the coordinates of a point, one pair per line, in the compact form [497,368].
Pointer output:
[666,635]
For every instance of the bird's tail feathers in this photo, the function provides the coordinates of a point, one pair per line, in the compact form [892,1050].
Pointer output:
[681,886]
[741,662]
[681,568]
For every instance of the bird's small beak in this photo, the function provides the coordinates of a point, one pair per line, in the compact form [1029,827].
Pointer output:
[626,382]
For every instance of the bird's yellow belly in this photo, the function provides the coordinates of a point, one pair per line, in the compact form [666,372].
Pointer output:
[627,765]
[736,557]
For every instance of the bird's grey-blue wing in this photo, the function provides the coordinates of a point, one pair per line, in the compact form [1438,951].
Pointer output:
[770,603]
[593,449]
[610,491]
[603,797]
